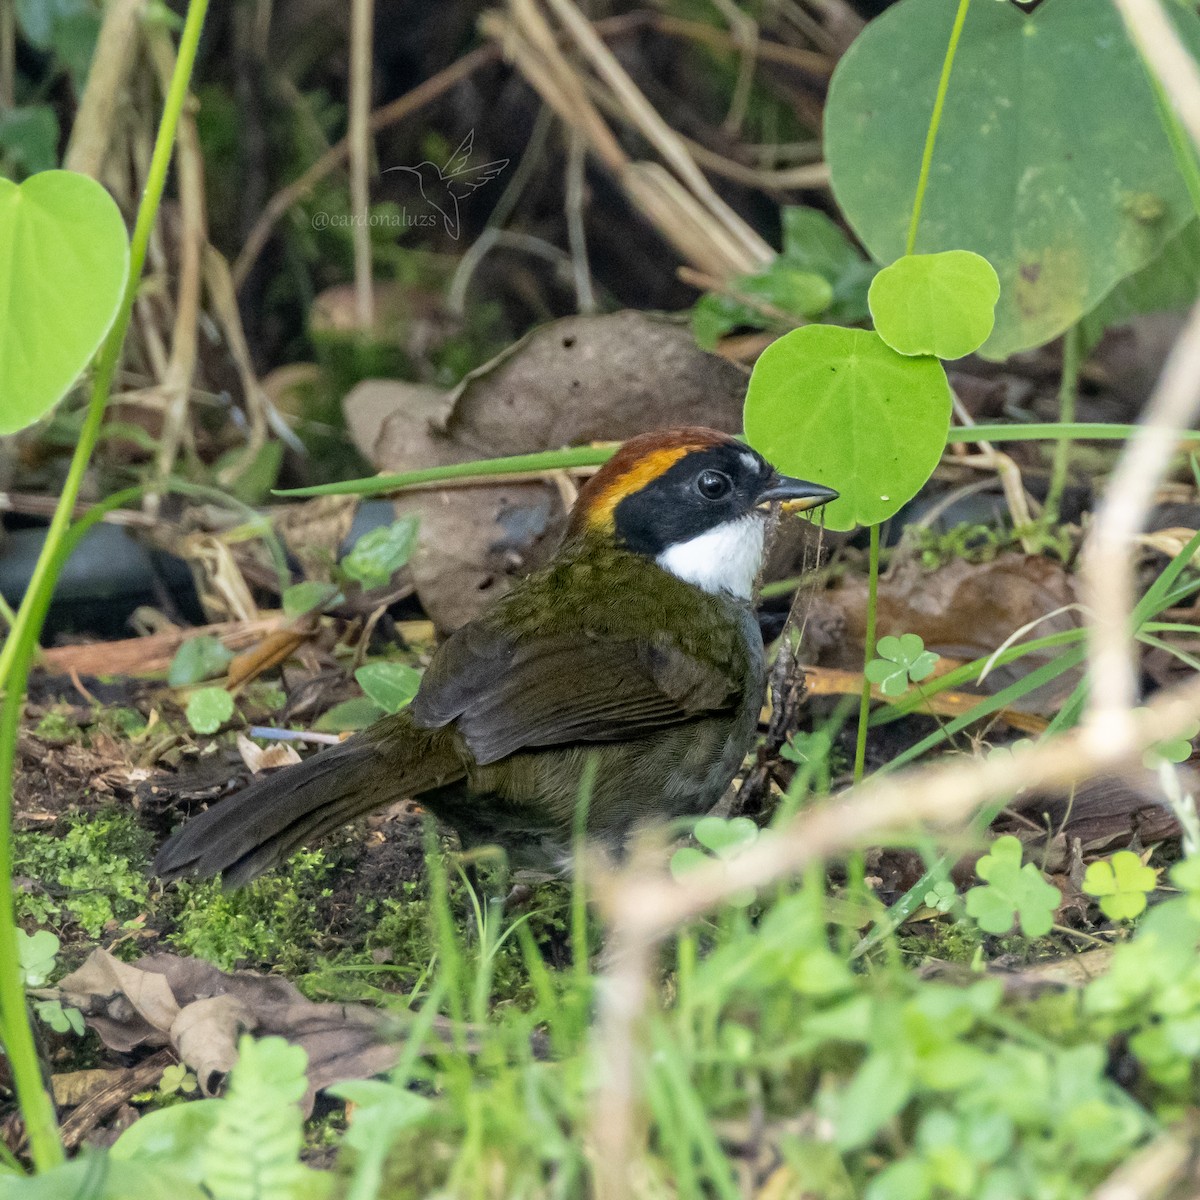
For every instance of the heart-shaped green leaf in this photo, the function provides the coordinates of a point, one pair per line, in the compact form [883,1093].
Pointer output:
[726,837]
[1050,158]
[841,407]
[64,256]
[941,304]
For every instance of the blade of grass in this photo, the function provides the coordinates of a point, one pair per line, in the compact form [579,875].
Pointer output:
[37,1108]
[990,704]
[595,456]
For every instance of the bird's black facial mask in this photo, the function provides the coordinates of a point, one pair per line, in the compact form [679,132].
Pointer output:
[705,488]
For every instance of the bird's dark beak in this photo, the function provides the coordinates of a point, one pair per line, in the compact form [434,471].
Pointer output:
[796,495]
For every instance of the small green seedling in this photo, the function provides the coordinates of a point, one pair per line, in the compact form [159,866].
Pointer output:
[198,659]
[36,956]
[58,1018]
[725,839]
[391,685]
[209,709]
[900,661]
[309,596]
[379,554]
[1121,884]
[941,896]
[177,1080]
[1011,892]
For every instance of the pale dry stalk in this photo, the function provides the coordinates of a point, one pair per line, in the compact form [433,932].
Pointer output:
[176,385]
[642,909]
[112,62]
[362,22]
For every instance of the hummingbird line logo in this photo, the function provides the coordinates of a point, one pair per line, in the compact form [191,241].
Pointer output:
[443,187]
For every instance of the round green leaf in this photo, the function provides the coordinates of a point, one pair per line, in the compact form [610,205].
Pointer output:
[840,407]
[302,598]
[391,685]
[209,709]
[379,554]
[64,256]
[1050,158]
[941,304]
[349,716]
[199,658]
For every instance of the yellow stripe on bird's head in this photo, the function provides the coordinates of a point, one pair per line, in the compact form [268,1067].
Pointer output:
[694,502]
[638,462]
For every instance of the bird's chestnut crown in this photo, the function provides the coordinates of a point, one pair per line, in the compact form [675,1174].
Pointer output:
[692,500]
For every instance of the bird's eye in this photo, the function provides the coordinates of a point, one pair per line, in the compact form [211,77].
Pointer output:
[713,485]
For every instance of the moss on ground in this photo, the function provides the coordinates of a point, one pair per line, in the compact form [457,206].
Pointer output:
[89,874]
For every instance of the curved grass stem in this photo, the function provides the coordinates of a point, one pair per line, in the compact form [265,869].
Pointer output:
[935,121]
[37,1108]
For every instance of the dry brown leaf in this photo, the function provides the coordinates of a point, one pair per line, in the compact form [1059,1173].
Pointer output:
[200,1012]
[264,758]
[205,1036]
[961,610]
[127,1006]
[274,649]
[574,381]
[315,530]
[74,1087]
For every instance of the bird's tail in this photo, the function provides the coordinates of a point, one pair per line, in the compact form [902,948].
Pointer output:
[244,836]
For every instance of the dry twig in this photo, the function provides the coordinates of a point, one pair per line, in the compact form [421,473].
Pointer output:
[362,19]
[644,908]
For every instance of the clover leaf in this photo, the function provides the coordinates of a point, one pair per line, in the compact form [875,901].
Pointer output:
[803,748]
[60,1019]
[36,955]
[177,1079]
[1174,750]
[941,896]
[1012,892]
[899,661]
[726,838]
[1120,883]
[209,709]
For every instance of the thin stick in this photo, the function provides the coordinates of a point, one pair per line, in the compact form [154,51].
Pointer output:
[864,707]
[8,52]
[1107,564]
[1068,390]
[362,20]
[111,64]
[585,297]
[181,367]
[421,96]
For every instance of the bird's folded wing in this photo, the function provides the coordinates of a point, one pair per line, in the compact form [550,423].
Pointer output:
[505,696]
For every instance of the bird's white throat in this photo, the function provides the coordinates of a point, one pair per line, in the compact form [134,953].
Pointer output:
[725,559]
